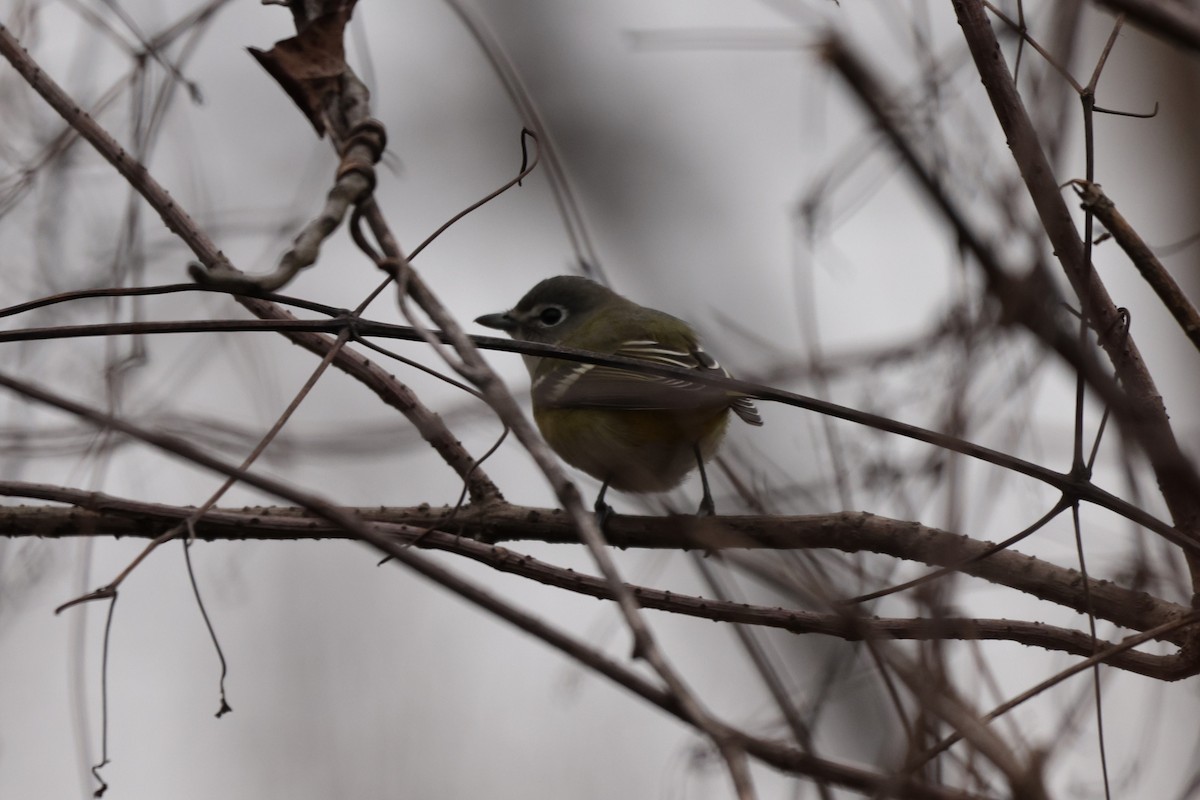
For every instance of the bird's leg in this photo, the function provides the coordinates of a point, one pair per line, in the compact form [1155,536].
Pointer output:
[603,509]
[707,507]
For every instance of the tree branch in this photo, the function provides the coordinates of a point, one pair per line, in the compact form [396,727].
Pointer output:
[96,514]
[1152,270]
[1147,418]
[385,386]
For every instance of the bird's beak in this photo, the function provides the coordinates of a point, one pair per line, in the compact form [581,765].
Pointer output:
[501,322]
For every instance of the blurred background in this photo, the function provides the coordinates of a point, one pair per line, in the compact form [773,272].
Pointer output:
[722,173]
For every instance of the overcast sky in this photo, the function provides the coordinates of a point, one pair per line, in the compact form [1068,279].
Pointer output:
[696,136]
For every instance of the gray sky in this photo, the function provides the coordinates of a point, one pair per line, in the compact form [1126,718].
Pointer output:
[692,133]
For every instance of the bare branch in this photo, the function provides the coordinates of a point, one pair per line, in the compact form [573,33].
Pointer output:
[1072,486]
[1143,258]
[103,515]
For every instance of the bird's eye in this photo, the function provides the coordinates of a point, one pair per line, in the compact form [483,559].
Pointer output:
[551,316]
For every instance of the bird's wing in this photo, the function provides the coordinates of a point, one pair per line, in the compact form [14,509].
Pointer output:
[576,385]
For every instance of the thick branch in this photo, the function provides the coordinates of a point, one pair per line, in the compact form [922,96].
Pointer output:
[103,515]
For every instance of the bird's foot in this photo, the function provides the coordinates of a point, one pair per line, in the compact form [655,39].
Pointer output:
[603,512]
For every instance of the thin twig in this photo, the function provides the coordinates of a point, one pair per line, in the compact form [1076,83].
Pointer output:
[1189,619]
[391,391]
[1071,485]
[103,515]
[1172,296]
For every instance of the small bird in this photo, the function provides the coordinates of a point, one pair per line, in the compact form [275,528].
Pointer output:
[629,430]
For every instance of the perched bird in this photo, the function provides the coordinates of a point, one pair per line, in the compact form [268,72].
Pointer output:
[632,431]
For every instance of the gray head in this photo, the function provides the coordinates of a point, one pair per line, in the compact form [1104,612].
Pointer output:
[550,310]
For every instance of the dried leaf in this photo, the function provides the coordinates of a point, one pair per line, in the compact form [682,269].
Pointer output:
[309,66]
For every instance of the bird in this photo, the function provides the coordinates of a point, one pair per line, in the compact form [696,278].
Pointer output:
[632,431]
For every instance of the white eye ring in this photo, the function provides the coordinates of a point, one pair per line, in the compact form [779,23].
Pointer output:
[550,316]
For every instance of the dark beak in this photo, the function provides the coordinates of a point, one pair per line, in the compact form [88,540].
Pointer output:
[501,322]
